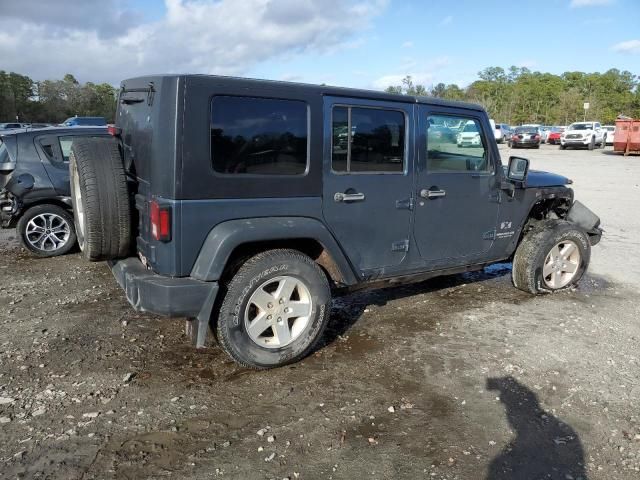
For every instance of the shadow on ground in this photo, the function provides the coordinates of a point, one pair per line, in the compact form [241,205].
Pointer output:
[544,446]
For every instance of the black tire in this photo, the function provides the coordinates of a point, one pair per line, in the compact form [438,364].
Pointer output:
[99,184]
[49,218]
[533,249]
[230,327]
[537,146]
[563,147]
[592,143]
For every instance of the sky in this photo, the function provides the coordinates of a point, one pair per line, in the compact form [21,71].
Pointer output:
[352,43]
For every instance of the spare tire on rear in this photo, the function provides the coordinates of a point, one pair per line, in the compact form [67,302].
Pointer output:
[101,204]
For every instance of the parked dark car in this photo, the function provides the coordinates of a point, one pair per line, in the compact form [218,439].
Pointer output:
[85,122]
[34,187]
[525,137]
[11,126]
[248,212]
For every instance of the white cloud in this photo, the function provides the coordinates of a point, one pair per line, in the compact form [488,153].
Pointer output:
[446,20]
[630,46]
[200,36]
[589,3]
[407,44]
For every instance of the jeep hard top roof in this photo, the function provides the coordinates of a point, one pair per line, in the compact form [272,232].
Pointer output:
[309,88]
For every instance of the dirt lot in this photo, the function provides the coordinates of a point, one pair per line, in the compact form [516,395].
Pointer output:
[459,378]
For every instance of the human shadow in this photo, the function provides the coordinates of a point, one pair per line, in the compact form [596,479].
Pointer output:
[544,447]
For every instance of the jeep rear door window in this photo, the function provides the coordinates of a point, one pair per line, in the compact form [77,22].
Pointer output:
[367,140]
[259,136]
[455,144]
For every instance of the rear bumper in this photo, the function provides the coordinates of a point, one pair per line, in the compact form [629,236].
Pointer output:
[149,292]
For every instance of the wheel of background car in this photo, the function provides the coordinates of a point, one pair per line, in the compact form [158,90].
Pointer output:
[592,143]
[275,310]
[47,230]
[562,147]
[101,204]
[552,256]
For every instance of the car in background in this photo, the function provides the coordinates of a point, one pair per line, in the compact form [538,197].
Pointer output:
[439,135]
[583,134]
[525,137]
[499,133]
[35,195]
[11,125]
[85,122]
[544,132]
[611,131]
[469,136]
[553,136]
[507,131]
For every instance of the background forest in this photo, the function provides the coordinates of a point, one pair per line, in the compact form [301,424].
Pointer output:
[513,96]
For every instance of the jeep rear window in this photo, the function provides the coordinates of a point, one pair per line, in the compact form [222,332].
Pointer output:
[259,136]
[367,140]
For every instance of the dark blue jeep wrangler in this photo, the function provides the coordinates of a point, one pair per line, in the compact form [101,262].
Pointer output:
[244,204]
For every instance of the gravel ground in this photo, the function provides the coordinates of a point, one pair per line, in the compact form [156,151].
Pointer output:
[462,377]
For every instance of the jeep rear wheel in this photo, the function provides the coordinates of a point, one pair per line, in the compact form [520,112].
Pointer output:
[100,198]
[552,256]
[275,310]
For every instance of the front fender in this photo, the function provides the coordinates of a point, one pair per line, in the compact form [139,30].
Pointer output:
[226,236]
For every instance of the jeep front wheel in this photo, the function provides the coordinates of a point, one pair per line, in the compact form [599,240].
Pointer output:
[552,256]
[275,310]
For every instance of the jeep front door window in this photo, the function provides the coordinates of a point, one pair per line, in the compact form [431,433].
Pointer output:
[455,149]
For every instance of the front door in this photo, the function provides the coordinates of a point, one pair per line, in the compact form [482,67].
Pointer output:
[457,191]
[368,177]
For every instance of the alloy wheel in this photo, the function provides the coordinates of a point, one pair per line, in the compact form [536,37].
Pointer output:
[47,232]
[561,265]
[278,312]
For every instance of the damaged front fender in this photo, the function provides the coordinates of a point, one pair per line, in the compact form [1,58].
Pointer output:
[587,220]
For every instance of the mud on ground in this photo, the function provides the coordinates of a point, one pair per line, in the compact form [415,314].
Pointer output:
[462,377]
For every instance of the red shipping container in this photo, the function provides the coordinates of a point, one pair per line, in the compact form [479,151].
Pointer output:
[627,137]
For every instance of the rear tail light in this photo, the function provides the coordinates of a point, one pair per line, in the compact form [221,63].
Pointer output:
[113,130]
[160,221]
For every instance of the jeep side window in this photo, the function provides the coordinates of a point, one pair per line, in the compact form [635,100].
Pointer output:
[367,140]
[455,149]
[259,136]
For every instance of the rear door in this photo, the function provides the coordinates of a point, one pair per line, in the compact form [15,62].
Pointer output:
[458,194]
[368,180]
[56,160]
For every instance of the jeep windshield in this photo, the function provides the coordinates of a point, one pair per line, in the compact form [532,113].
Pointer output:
[581,126]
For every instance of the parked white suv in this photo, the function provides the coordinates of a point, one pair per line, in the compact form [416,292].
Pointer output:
[583,134]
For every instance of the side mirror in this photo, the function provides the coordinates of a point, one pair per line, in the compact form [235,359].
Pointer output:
[518,169]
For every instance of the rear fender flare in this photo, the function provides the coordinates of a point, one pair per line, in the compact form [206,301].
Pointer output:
[227,236]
